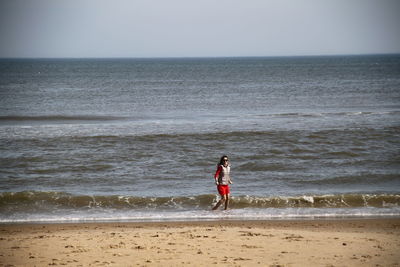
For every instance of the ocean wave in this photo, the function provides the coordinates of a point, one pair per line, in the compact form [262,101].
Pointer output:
[41,201]
[351,179]
[57,118]
[328,137]
[82,117]
[329,114]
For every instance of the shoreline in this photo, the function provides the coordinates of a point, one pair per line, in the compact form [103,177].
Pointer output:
[190,221]
[344,223]
[338,242]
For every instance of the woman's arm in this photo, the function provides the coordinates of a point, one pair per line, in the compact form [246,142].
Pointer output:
[217,173]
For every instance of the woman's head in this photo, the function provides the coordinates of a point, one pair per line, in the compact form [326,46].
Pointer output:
[224,159]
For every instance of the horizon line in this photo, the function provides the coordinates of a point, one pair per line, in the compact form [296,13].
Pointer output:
[209,57]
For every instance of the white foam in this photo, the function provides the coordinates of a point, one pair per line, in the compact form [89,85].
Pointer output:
[203,215]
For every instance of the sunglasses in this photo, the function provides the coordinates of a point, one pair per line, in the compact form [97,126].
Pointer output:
[225,160]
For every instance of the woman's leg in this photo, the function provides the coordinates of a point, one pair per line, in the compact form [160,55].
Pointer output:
[226,197]
[219,203]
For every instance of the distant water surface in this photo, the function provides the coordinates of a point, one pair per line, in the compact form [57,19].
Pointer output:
[139,139]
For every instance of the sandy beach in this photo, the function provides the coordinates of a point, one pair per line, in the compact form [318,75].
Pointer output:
[367,242]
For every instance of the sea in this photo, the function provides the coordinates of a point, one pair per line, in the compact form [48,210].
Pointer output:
[97,140]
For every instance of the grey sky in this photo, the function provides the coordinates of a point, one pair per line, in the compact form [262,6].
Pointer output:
[181,28]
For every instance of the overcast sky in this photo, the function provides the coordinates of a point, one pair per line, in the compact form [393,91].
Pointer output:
[197,28]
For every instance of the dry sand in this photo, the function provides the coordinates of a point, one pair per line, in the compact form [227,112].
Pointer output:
[227,243]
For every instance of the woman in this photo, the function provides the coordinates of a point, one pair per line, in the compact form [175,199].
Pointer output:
[222,180]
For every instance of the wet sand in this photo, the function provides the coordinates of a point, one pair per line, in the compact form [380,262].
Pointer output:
[366,242]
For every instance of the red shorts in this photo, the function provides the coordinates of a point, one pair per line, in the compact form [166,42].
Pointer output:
[223,189]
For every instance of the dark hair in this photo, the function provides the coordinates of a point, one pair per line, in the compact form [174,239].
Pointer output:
[221,161]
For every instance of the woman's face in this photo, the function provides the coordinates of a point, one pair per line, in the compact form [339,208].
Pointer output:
[225,161]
